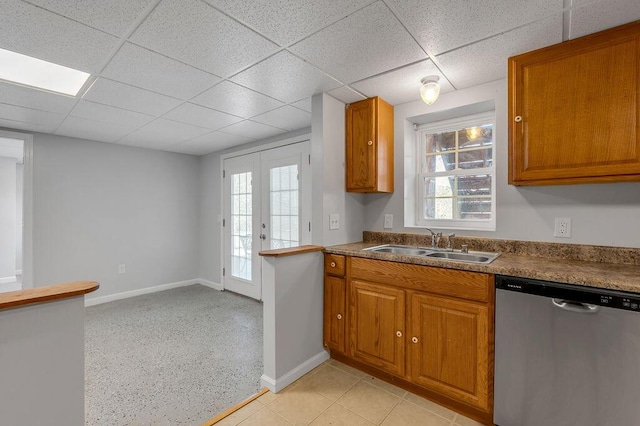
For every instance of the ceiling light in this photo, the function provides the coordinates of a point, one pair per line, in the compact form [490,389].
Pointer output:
[430,89]
[22,69]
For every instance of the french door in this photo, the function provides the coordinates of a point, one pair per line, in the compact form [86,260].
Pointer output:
[266,206]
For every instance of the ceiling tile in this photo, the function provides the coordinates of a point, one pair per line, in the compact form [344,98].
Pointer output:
[149,70]
[212,142]
[195,33]
[113,16]
[128,97]
[440,25]
[33,31]
[600,15]
[286,117]
[31,116]
[346,94]
[402,85]
[285,77]
[304,104]
[253,130]
[284,21]
[365,43]
[93,130]
[35,99]
[162,133]
[237,100]
[487,60]
[124,119]
[201,116]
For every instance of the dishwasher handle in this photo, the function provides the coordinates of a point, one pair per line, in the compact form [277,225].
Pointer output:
[572,306]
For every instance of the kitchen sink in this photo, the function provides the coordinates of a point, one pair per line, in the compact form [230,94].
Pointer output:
[408,250]
[477,257]
[473,257]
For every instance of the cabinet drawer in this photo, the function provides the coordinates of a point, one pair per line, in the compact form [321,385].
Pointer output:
[449,282]
[334,264]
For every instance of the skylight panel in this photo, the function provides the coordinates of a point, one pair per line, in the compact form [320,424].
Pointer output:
[23,69]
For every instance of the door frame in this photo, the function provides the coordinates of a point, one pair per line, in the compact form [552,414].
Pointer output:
[254,149]
[28,274]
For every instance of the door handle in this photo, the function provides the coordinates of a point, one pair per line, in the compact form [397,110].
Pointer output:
[263,237]
[579,307]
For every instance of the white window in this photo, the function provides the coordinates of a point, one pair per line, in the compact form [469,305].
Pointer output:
[455,185]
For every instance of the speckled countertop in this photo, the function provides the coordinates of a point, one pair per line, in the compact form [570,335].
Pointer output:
[615,268]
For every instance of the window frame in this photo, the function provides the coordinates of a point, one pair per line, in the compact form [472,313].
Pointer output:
[451,125]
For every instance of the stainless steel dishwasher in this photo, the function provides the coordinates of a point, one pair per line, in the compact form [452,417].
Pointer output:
[566,355]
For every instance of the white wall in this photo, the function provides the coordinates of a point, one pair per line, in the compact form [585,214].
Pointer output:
[42,363]
[7,219]
[601,213]
[98,205]
[328,152]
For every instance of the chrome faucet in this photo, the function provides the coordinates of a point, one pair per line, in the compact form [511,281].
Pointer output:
[449,241]
[435,238]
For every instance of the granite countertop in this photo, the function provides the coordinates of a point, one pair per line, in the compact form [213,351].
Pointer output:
[617,269]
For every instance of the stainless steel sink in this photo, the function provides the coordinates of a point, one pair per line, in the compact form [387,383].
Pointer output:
[477,257]
[472,257]
[407,250]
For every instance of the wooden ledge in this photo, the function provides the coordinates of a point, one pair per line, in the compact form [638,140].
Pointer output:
[291,251]
[49,293]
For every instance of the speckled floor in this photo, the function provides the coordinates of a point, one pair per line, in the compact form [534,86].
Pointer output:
[174,357]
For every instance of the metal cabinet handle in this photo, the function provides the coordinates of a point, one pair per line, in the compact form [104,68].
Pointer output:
[518,118]
[333,264]
[399,333]
[414,339]
[339,316]
[370,143]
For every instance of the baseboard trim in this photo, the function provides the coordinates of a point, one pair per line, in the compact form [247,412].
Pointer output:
[210,284]
[147,290]
[7,280]
[276,385]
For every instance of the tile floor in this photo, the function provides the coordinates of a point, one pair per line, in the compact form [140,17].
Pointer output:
[336,394]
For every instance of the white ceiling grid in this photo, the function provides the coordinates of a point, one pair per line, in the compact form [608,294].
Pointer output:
[197,76]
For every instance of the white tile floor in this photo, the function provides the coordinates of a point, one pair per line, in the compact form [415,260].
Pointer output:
[336,394]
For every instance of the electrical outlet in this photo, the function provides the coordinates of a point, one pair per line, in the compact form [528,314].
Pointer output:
[388,221]
[122,268]
[562,228]
[334,221]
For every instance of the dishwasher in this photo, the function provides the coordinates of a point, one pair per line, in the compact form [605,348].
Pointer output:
[566,355]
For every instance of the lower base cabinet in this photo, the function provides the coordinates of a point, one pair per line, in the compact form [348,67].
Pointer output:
[429,330]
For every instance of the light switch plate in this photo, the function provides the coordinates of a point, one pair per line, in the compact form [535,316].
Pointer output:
[388,221]
[334,221]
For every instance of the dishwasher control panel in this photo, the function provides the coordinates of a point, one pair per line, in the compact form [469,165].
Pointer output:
[571,292]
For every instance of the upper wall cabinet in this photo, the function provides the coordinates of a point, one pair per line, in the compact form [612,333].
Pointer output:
[369,140]
[573,110]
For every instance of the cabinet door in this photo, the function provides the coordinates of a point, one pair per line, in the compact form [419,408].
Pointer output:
[361,143]
[376,325]
[448,343]
[573,110]
[334,313]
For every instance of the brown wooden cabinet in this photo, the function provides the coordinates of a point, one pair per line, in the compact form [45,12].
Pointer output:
[574,110]
[376,325]
[448,349]
[335,294]
[369,146]
[427,329]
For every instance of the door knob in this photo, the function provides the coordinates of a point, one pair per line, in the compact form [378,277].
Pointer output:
[399,333]
[414,339]
[339,316]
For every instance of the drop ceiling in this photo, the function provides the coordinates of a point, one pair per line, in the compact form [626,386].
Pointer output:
[198,76]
